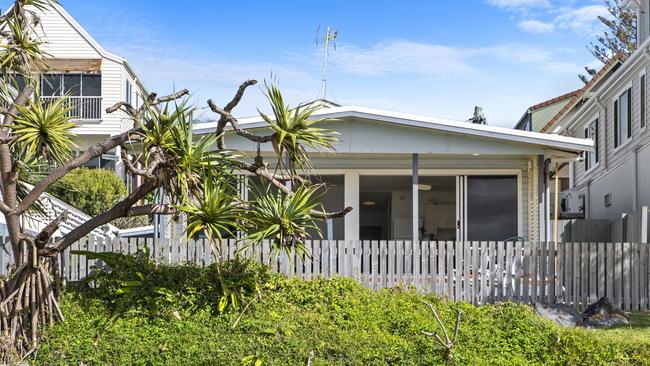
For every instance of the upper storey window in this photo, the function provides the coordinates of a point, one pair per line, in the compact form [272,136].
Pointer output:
[623,118]
[83,92]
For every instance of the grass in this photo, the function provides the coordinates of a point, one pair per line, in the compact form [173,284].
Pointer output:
[341,322]
[638,329]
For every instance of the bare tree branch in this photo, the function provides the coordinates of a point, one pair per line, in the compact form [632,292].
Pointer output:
[89,154]
[235,125]
[221,125]
[262,172]
[127,107]
[121,209]
[156,160]
[44,236]
[157,209]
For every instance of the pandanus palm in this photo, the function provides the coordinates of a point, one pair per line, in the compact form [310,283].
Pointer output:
[195,175]
[294,130]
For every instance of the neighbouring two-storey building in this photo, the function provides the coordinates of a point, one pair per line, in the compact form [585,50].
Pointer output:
[611,110]
[91,77]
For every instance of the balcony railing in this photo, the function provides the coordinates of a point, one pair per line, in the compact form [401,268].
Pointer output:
[81,107]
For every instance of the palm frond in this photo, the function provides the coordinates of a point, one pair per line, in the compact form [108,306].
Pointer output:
[294,129]
[44,129]
[286,220]
[216,214]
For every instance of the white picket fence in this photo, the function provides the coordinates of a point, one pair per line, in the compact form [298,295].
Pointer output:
[478,272]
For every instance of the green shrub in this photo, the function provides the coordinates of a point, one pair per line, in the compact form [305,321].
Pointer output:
[137,284]
[340,321]
[93,191]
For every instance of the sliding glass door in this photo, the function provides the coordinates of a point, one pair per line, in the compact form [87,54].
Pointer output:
[487,207]
[491,207]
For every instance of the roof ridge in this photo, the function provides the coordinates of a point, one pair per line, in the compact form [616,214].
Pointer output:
[617,58]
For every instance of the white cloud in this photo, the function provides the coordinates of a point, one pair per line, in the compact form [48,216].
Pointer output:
[536,26]
[402,56]
[519,3]
[582,20]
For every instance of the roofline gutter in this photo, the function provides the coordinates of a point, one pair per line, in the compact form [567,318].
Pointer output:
[505,134]
[637,56]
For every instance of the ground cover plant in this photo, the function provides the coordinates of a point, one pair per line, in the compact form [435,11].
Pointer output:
[172,315]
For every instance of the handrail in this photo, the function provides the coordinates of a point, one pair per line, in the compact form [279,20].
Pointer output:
[81,107]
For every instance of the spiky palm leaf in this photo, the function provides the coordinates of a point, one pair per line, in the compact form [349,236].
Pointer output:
[170,131]
[44,130]
[22,51]
[216,214]
[285,220]
[294,129]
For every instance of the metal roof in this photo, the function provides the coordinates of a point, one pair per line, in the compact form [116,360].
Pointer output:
[431,123]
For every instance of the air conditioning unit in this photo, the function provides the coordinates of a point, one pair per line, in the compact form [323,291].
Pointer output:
[572,205]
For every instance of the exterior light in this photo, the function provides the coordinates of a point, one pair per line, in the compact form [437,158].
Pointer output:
[424,187]
[369,203]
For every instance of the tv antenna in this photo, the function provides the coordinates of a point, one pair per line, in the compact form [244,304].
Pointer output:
[328,39]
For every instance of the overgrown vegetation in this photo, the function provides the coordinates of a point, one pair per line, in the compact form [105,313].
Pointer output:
[171,315]
[37,142]
[136,284]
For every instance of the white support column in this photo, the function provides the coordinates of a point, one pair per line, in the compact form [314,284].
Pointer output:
[351,199]
[644,224]
[330,229]
[416,210]
[119,165]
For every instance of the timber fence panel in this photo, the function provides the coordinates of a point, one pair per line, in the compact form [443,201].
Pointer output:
[576,274]
[441,260]
[602,275]
[449,274]
[383,263]
[625,275]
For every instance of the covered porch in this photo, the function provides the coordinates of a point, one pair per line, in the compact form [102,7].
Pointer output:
[421,178]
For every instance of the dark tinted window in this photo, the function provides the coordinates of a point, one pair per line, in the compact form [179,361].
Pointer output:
[92,85]
[491,207]
[72,84]
[51,85]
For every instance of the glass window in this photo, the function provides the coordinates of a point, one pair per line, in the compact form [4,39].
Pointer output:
[622,118]
[491,207]
[51,85]
[591,132]
[128,92]
[72,84]
[642,102]
[92,86]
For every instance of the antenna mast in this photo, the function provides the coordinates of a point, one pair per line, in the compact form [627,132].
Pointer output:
[329,36]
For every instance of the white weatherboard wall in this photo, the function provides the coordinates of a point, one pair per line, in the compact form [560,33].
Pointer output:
[614,174]
[65,39]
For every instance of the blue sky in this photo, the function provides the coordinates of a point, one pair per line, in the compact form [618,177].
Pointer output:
[436,58]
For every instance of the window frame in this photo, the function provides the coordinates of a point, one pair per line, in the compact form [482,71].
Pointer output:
[62,91]
[129,90]
[643,101]
[591,164]
[618,142]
